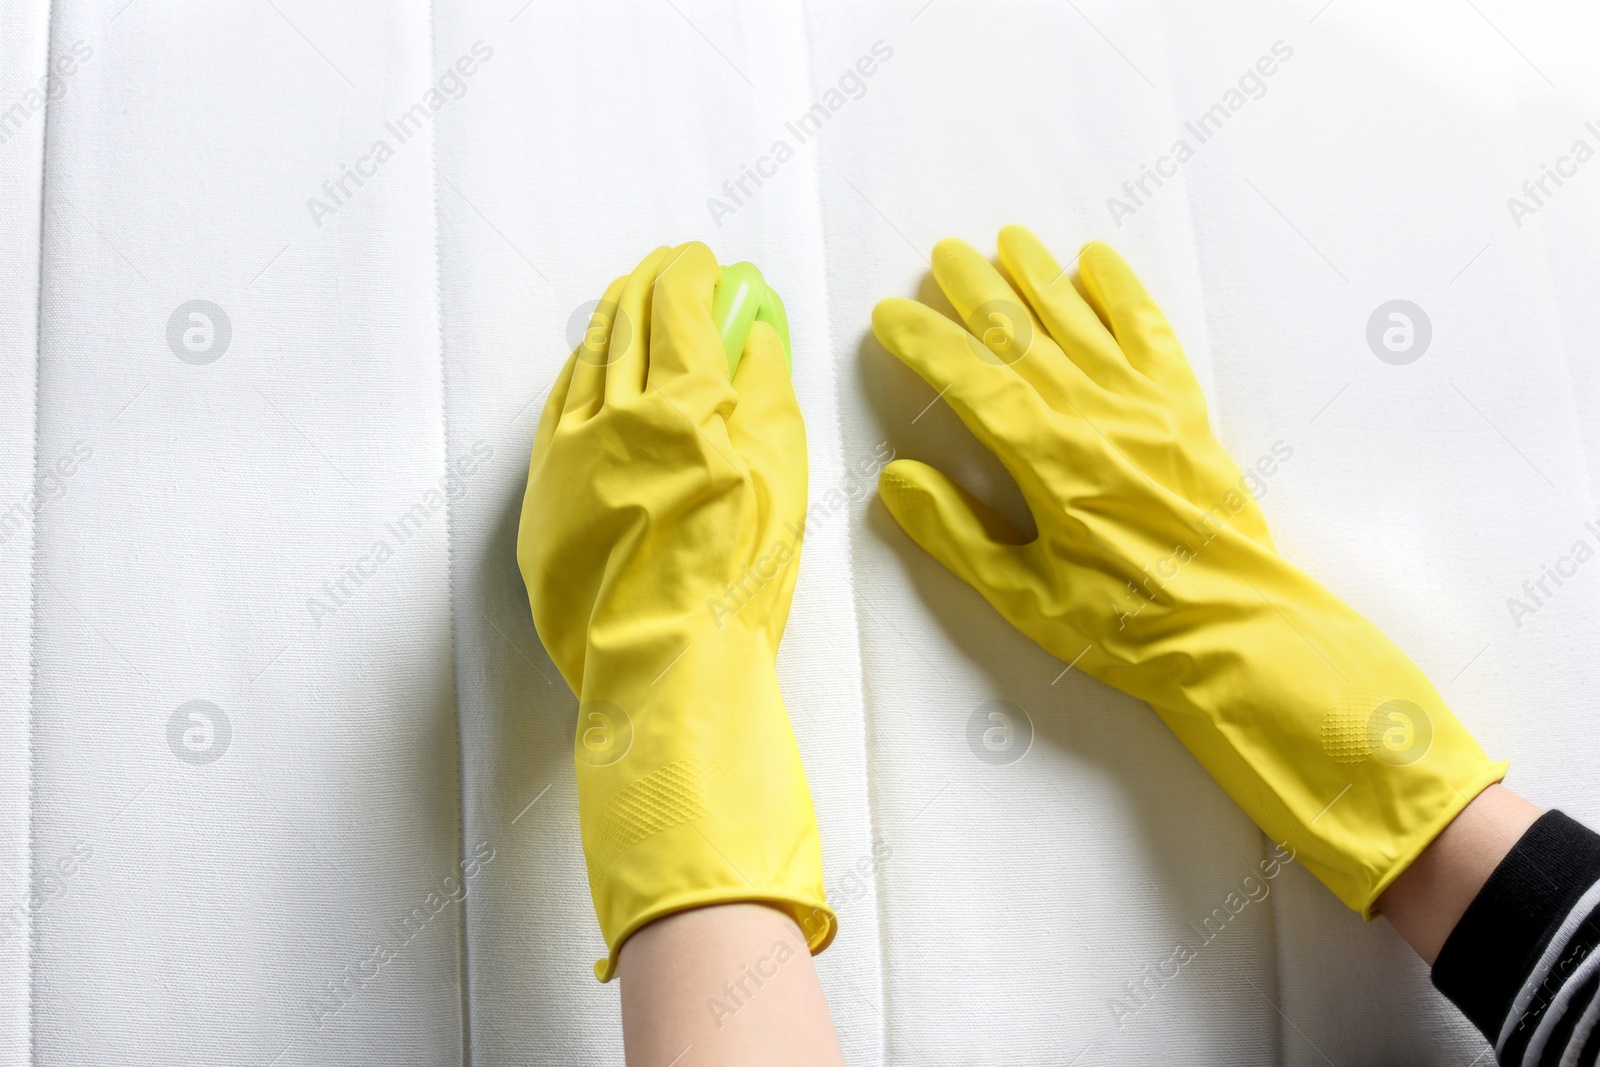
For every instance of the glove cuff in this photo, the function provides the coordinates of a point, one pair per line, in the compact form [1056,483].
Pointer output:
[1357,792]
[695,795]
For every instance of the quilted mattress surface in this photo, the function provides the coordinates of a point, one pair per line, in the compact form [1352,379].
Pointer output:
[285,773]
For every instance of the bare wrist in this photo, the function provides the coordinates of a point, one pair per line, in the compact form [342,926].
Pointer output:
[1425,903]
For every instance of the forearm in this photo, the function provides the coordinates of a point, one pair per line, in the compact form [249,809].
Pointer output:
[732,984]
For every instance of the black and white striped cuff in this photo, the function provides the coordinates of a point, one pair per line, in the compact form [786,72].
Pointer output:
[1521,962]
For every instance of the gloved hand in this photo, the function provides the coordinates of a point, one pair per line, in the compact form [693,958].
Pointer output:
[1153,569]
[660,539]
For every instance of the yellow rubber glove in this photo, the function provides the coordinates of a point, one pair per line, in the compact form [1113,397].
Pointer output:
[1153,569]
[659,541]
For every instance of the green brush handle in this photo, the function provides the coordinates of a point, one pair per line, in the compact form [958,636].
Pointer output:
[742,297]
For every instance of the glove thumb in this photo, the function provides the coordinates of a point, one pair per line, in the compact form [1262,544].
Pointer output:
[953,527]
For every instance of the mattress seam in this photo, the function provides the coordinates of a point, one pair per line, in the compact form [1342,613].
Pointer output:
[33,554]
[804,9]
[1275,918]
[463,971]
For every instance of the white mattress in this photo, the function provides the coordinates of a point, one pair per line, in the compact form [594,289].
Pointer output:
[389,827]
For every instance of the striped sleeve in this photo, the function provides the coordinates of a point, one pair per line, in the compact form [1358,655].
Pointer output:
[1521,963]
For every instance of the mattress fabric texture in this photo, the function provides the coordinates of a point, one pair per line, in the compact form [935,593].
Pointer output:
[285,773]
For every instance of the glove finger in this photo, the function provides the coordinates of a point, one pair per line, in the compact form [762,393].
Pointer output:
[957,529]
[991,310]
[607,330]
[1000,407]
[626,352]
[553,405]
[1140,327]
[766,425]
[686,354]
[1007,327]
[769,433]
[1072,322]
